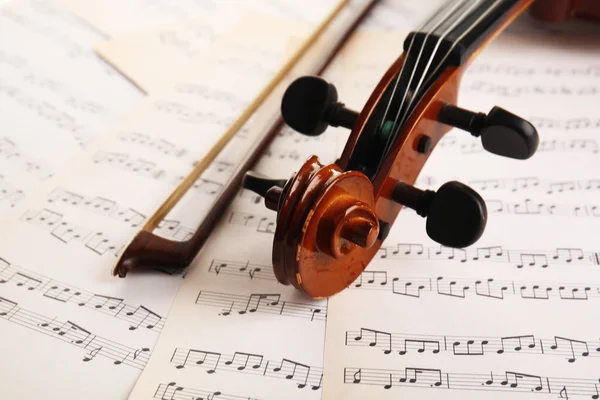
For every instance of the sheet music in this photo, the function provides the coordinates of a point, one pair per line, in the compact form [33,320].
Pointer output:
[59,305]
[116,19]
[512,314]
[152,59]
[50,110]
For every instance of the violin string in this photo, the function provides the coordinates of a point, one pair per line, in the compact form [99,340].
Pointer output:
[445,57]
[432,57]
[412,40]
[446,16]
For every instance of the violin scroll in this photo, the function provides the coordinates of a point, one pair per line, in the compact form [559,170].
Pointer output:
[326,227]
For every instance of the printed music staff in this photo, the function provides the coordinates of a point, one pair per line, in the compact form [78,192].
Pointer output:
[399,343]
[172,391]
[304,376]
[75,335]
[60,292]
[507,381]
[232,304]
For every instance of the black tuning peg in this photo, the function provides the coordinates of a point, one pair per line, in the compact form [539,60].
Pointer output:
[501,132]
[456,214]
[310,104]
[270,189]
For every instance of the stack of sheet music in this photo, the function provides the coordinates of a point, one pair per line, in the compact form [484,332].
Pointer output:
[86,158]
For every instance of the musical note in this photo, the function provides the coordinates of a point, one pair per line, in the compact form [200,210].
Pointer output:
[174,230]
[59,292]
[254,302]
[13,153]
[199,357]
[92,354]
[66,232]
[110,303]
[372,278]
[535,292]
[421,346]
[525,183]
[533,381]
[161,145]
[575,293]
[517,342]
[262,224]
[374,341]
[572,343]
[449,289]
[139,166]
[489,289]
[9,193]
[135,355]
[567,255]
[456,350]
[254,359]
[6,306]
[412,375]
[531,260]
[144,317]
[294,366]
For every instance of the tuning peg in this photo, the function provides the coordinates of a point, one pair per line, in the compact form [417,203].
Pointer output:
[270,189]
[501,132]
[456,214]
[310,104]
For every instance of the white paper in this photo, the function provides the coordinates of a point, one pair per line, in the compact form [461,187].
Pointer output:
[154,58]
[56,95]
[116,18]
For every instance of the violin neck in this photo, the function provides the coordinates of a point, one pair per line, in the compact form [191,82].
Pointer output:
[460,27]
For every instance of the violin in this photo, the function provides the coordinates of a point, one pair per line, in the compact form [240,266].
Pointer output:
[332,219]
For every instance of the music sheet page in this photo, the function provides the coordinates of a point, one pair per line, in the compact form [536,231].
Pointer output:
[513,315]
[86,333]
[152,59]
[115,18]
[56,95]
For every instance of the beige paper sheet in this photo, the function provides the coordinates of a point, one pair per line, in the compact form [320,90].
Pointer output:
[154,61]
